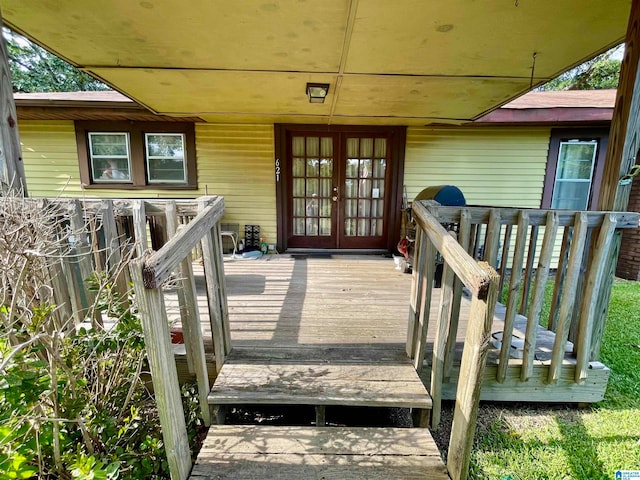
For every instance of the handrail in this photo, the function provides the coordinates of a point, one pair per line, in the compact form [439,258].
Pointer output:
[465,267]
[483,282]
[148,273]
[159,265]
[537,217]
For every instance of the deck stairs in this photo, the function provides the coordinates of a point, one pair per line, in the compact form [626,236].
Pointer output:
[326,378]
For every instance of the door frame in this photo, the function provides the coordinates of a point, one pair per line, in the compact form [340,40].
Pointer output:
[397,142]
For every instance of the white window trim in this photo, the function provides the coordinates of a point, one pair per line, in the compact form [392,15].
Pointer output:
[151,157]
[97,176]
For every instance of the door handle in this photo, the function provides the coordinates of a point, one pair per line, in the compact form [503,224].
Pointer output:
[334,198]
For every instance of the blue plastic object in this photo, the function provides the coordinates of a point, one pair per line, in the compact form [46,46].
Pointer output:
[448,195]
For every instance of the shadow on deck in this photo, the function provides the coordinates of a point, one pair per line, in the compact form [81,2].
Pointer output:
[351,304]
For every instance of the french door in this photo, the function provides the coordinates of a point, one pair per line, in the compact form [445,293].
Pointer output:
[338,189]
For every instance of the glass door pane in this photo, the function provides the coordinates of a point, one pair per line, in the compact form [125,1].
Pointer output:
[364,187]
[312,176]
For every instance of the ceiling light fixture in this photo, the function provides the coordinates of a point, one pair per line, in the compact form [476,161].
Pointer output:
[317,92]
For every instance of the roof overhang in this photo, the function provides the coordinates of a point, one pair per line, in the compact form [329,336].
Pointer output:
[409,62]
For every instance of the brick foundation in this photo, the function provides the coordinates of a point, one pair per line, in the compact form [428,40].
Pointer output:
[629,260]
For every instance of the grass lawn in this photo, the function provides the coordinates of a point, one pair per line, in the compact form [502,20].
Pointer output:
[528,441]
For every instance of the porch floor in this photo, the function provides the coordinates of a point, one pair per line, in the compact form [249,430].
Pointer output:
[351,304]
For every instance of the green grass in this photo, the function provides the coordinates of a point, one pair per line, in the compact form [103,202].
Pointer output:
[562,441]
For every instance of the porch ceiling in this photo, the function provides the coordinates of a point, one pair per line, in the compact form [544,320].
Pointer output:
[410,62]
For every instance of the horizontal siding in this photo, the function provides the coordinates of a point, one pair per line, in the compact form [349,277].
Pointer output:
[50,158]
[501,166]
[235,161]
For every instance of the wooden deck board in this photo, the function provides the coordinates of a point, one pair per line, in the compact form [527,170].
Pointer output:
[257,452]
[340,378]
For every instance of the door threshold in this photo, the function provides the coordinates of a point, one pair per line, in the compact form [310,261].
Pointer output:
[338,251]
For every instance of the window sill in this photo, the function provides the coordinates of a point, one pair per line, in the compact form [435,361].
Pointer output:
[128,186]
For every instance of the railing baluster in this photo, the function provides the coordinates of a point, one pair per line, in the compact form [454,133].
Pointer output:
[504,260]
[112,249]
[190,318]
[464,239]
[512,297]
[425,304]
[531,254]
[533,315]
[83,255]
[416,289]
[580,286]
[561,271]
[591,295]
[222,288]
[566,304]
[492,239]
[440,342]
[140,226]
[217,333]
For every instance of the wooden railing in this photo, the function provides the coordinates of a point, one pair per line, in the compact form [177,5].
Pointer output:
[148,273]
[526,246]
[100,232]
[460,269]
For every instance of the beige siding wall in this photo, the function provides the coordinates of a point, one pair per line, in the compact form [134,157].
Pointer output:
[235,161]
[499,166]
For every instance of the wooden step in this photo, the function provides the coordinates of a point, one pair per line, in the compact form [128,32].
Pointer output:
[316,377]
[266,452]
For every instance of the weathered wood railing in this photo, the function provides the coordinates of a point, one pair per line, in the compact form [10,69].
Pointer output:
[573,243]
[483,283]
[148,273]
[101,232]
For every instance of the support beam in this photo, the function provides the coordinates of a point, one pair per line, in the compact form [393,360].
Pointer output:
[624,143]
[11,166]
[624,137]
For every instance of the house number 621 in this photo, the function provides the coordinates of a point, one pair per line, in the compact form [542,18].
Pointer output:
[277,169]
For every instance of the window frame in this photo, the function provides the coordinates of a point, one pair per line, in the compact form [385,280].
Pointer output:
[138,153]
[149,157]
[601,135]
[93,156]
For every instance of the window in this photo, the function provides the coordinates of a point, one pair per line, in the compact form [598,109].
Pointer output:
[110,159]
[130,155]
[165,157]
[574,174]
[574,169]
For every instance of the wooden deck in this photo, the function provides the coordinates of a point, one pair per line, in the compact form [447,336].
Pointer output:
[357,304]
[314,453]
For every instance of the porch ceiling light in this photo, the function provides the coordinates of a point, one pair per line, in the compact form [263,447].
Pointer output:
[317,92]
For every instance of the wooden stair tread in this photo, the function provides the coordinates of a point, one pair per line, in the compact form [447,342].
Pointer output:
[259,452]
[308,381]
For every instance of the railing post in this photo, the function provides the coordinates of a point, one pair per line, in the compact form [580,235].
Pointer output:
[164,375]
[471,377]
[593,286]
